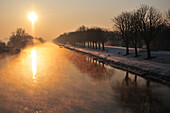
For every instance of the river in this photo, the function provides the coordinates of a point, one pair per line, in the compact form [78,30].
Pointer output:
[51,79]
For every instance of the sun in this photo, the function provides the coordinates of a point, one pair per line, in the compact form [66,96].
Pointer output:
[32,17]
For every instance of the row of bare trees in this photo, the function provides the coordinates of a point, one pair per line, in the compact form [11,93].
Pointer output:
[93,37]
[143,23]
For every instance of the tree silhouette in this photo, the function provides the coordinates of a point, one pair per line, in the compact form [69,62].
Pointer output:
[41,40]
[141,26]
[135,30]
[20,38]
[151,24]
[122,24]
[94,37]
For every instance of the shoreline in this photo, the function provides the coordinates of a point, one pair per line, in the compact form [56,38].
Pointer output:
[122,66]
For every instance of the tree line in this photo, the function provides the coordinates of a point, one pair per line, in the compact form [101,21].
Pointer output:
[18,40]
[145,24]
[92,37]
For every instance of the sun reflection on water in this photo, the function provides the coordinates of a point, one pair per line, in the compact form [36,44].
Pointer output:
[34,64]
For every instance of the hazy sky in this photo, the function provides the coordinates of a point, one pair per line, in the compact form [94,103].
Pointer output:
[59,16]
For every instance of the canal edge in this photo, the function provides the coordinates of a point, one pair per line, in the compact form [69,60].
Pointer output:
[132,69]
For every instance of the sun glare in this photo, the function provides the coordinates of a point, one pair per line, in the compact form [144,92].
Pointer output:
[32,17]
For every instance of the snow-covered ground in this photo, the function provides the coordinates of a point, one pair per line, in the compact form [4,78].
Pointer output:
[159,65]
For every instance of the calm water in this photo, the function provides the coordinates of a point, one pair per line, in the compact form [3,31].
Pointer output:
[50,79]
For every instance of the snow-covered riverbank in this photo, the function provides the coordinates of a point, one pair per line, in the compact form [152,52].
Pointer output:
[158,68]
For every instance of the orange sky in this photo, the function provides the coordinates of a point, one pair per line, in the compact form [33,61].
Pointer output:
[59,16]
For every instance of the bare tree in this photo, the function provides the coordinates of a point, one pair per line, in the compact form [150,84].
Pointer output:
[135,30]
[122,23]
[151,23]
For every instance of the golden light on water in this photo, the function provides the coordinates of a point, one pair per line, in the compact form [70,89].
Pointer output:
[34,63]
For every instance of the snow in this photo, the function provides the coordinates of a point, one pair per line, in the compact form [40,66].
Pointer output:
[159,65]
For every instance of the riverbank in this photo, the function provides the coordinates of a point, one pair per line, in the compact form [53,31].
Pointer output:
[156,69]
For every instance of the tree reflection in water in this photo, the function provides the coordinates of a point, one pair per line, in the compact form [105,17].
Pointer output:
[138,99]
[133,97]
[90,66]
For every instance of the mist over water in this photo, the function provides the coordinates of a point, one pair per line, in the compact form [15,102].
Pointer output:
[48,78]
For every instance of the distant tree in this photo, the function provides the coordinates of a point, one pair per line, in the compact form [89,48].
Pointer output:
[102,37]
[2,46]
[82,28]
[168,17]
[168,14]
[41,40]
[151,24]
[19,38]
[96,36]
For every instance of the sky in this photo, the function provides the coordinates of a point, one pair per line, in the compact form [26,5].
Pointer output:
[58,16]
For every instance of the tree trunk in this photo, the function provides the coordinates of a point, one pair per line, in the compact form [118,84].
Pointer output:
[103,46]
[99,46]
[148,51]
[96,45]
[136,51]
[93,45]
[148,83]
[127,49]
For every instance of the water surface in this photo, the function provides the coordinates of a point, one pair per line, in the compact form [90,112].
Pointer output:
[50,79]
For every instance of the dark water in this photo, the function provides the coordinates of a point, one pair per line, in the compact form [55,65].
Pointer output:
[50,79]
